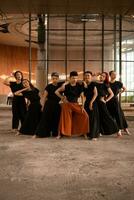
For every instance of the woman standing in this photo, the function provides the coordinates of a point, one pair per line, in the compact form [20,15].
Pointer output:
[32,116]
[91,106]
[107,124]
[18,102]
[114,106]
[51,109]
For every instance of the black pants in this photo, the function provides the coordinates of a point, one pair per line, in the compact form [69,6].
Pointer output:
[18,111]
[94,121]
[49,120]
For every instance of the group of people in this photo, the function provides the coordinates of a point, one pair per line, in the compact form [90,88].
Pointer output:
[75,107]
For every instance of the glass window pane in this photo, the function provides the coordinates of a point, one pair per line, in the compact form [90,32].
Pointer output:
[128,48]
[128,23]
[75,53]
[128,74]
[109,45]
[108,23]
[93,22]
[95,67]
[75,45]
[93,45]
[56,45]
[56,53]
[56,66]
[56,22]
[108,66]
[75,37]
[75,66]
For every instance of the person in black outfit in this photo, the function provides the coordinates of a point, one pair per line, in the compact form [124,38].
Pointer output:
[107,125]
[18,102]
[51,110]
[33,114]
[91,106]
[114,106]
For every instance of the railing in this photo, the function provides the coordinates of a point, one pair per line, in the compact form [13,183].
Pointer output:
[128,97]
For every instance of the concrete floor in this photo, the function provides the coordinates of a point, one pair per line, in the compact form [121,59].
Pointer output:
[66,169]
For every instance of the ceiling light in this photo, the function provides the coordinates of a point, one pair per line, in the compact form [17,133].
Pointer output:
[89,17]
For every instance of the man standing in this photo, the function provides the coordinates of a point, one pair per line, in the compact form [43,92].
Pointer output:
[73,119]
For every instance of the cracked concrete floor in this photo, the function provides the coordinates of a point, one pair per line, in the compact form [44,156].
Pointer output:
[66,169]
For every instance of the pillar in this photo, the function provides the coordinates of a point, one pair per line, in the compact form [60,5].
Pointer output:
[41,69]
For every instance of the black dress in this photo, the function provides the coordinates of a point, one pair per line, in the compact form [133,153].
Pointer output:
[33,114]
[18,105]
[93,114]
[114,106]
[107,125]
[51,113]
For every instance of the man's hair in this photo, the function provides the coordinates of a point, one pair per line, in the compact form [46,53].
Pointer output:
[88,72]
[55,74]
[73,73]
[111,72]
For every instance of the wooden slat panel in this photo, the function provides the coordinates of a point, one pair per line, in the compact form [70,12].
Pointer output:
[14,58]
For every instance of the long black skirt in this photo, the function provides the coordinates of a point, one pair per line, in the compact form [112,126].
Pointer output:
[116,112]
[49,120]
[107,124]
[94,122]
[32,119]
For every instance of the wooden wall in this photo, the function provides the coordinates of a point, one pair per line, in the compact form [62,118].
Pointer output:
[14,58]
